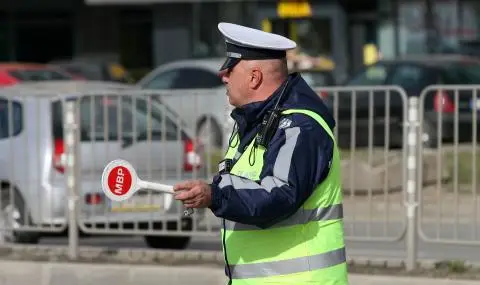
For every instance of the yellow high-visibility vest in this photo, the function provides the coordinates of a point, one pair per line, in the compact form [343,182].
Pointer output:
[306,248]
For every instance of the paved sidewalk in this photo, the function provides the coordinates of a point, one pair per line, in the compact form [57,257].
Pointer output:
[51,273]
[359,279]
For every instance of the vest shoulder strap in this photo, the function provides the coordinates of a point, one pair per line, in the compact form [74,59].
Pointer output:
[313,115]
[231,151]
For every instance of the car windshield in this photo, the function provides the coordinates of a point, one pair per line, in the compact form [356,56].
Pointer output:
[373,75]
[106,115]
[123,111]
[316,78]
[38,75]
[464,73]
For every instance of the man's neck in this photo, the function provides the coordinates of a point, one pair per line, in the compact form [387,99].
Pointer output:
[266,91]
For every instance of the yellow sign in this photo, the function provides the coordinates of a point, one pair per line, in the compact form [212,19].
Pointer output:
[267,26]
[117,71]
[294,9]
[370,54]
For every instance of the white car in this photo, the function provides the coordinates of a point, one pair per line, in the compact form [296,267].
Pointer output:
[199,97]
[32,176]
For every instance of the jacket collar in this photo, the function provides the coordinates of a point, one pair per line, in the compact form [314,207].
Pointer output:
[250,115]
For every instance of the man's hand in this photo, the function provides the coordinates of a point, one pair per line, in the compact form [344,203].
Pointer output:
[193,194]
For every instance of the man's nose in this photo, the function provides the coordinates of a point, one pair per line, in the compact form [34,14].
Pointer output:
[224,76]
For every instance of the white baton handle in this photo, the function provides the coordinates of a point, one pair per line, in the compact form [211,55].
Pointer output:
[155,186]
[161,188]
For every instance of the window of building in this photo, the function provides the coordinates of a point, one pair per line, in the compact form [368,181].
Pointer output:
[136,39]
[205,35]
[313,38]
[43,36]
[5,42]
[442,27]
[206,40]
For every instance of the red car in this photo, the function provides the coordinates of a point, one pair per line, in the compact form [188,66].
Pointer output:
[12,73]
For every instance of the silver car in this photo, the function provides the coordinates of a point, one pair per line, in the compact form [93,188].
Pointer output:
[32,175]
[209,116]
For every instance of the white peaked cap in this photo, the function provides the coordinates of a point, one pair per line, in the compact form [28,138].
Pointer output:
[244,43]
[253,38]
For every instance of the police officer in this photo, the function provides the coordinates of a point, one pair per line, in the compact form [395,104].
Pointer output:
[278,191]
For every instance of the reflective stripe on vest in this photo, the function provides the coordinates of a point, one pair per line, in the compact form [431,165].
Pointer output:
[302,216]
[290,266]
[314,258]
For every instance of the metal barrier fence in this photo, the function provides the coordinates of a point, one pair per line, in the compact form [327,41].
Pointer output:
[449,208]
[28,193]
[373,154]
[56,146]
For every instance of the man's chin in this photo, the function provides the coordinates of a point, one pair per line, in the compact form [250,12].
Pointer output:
[231,101]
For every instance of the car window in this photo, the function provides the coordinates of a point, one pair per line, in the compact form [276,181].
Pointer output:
[126,117]
[115,118]
[10,116]
[465,73]
[90,72]
[372,75]
[412,77]
[38,75]
[163,80]
[197,78]
[185,78]
[315,79]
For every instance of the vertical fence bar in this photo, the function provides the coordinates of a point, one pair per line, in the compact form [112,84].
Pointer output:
[411,203]
[70,127]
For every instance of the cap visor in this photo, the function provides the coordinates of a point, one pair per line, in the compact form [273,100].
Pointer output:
[229,63]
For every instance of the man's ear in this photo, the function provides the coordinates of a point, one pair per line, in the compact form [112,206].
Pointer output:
[256,78]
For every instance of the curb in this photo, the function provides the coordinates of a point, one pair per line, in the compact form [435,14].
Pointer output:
[55,273]
[97,265]
[361,279]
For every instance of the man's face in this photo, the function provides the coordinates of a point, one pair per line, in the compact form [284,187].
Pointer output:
[236,81]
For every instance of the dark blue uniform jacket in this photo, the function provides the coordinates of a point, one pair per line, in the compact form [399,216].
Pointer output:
[296,161]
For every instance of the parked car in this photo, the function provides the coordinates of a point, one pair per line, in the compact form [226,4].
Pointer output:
[317,78]
[94,69]
[13,73]
[33,160]
[208,105]
[413,74]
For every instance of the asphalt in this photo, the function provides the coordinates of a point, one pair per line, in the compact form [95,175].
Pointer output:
[393,245]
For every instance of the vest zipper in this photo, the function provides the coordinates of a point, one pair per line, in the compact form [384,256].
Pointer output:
[225,254]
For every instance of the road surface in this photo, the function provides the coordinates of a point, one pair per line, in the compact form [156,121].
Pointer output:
[370,249]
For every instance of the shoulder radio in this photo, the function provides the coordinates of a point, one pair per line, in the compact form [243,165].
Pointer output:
[270,121]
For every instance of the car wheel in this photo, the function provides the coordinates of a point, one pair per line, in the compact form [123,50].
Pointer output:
[429,136]
[167,242]
[12,216]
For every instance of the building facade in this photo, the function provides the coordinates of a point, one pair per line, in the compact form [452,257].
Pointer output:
[416,27]
[137,35]
[147,33]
